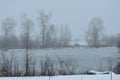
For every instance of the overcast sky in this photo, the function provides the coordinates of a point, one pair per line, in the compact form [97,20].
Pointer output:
[76,13]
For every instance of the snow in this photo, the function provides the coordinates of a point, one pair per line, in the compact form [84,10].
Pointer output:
[70,77]
[86,58]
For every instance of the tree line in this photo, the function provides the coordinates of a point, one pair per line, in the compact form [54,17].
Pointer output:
[45,34]
[48,35]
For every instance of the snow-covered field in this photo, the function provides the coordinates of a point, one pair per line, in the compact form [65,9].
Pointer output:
[74,77]
[86,58]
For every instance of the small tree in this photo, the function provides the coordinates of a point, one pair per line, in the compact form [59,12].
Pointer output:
[47,67]
[66,67]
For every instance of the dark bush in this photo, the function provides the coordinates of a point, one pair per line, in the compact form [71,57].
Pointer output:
[117,68]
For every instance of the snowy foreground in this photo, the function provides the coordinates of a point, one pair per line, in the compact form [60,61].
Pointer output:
[74,77]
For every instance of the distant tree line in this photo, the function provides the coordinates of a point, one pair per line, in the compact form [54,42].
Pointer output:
[43,34]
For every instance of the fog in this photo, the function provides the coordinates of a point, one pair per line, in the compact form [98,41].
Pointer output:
[76,13]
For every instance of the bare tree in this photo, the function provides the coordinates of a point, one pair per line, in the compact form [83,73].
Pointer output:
[94,32]
[51,40]
[65,36]
[27,30]
[27,25]
[7,30]
[44,26]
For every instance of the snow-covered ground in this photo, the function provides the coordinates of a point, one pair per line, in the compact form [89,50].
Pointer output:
[86,58]
[72,77]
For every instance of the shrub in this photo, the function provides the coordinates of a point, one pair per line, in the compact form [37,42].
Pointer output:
[117,68]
